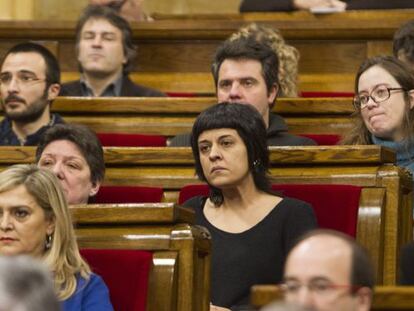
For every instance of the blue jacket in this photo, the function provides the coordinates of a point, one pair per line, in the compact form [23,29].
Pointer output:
[90,295]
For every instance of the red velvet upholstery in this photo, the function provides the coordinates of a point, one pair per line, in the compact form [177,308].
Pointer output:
[129,194]
[324,139]
[182,94]
[131,140]
[327,94]
[335,206]
[126,274]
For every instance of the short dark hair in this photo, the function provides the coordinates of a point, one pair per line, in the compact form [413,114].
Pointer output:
[362,270]
[110,15]
[250,126]
[248,48]
[404,40]
[405,77]
[52,65]
[85,139]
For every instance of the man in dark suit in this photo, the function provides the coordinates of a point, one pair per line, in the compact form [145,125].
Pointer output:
[105,54]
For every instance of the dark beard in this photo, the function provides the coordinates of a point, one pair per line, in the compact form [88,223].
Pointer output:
[32,112]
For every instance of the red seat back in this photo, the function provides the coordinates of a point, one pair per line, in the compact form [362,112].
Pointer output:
[126,274]
[324,139]
[128,194]
[131,140]
[335,206]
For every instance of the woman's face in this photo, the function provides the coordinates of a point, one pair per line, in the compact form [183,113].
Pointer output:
[385,119]
[64,158]
[223,157]
[23,224]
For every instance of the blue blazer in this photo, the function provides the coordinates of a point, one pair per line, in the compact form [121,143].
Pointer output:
[90,295]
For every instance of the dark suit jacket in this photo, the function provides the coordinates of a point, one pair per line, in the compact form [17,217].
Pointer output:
[407,265]
[128,89]
[286,5]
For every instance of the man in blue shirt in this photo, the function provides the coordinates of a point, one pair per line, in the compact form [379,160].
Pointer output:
[29,82]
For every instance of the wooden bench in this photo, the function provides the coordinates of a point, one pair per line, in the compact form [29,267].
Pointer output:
[387,189]
[386,298]
[180,276]
[328,46]
[171,116]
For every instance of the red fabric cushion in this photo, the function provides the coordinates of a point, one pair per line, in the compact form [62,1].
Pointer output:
[181,94]
[335,206]
[131,140]
[327,94]
[129,194]
[324,139]
[126,274]
[190,191]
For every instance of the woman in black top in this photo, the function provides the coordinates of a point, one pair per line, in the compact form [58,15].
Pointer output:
[252,229]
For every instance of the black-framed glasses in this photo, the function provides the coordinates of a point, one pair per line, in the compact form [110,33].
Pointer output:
[379,94]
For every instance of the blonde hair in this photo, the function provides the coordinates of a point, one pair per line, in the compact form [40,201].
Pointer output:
[63,257]
[287,54]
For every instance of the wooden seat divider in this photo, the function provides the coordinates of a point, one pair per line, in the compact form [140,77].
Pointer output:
[171,116]
[385,214]
[386,298]
[180,276]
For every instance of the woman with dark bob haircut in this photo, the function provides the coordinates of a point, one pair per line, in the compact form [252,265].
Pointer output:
[384,113]
[251,228]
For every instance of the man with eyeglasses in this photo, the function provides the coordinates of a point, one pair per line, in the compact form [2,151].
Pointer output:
[29,82]
[327,270]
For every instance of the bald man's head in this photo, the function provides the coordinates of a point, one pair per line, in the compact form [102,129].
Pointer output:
[320,273]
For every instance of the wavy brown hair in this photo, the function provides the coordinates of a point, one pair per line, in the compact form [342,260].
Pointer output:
[287,54]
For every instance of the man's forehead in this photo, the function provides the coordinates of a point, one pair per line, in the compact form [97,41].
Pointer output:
[99,24]
[240,69]
[322,256]
[24,62]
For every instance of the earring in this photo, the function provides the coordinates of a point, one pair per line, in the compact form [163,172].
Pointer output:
[48,243]
[256,163]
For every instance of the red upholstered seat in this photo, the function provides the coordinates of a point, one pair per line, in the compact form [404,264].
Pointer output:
[126,274]
[324,139]
[131,140]
[129,194]
[335,206]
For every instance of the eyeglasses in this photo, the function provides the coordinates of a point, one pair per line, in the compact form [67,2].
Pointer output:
[318,288]
[379,94]
[22,79]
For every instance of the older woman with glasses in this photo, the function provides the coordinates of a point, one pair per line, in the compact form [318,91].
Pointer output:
[384,99]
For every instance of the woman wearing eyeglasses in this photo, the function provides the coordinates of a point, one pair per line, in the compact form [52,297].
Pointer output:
[384,98]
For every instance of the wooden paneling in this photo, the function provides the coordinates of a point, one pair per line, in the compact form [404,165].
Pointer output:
[182,251]
[186,45]
[171,116]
